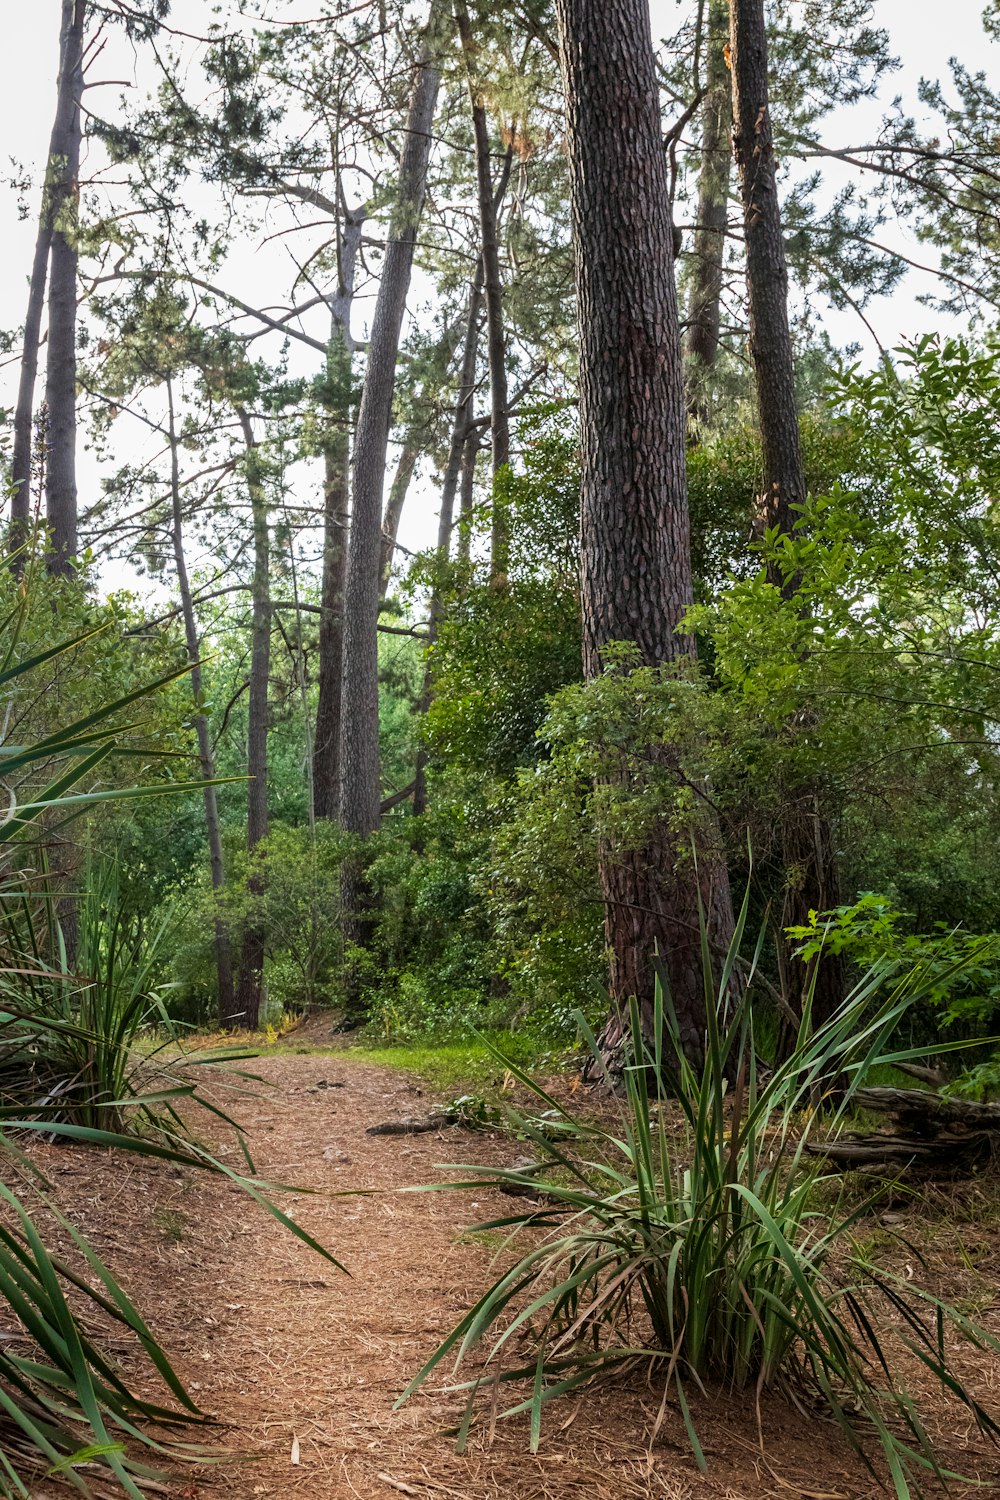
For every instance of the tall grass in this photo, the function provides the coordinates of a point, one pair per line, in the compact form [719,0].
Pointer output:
[88,1039]
[689,1237]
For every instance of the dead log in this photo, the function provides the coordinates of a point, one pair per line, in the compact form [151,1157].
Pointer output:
[411,1126]
[919,1110]
[937,1077]
[932,1134]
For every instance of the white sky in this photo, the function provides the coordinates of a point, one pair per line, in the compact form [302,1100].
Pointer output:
[918,32]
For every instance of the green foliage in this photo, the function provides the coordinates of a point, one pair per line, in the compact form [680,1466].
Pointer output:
[470,1065]
[962,976]
[501,652]
[69,1040]
[432,972]
[296,905]
[695,1248]
[70,1069]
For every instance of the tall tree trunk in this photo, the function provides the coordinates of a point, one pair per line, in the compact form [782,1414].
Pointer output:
[715,167]
[250,995]
[223,950]
[21,466]
[336,497]
[360,775]
[467,492]
[60,383]
[635,549]
[458,469]
[398,491]
[496,342]
[460,429]
[464,396]
[811,880]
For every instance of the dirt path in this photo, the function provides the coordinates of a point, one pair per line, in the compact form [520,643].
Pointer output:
[287,1350]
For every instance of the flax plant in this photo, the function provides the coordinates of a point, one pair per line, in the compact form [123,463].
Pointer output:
[696,1236]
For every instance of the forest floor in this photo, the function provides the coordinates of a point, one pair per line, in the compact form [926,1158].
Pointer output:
[299,1359]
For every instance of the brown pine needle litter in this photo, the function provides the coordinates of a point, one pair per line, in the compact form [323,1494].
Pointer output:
[301,1363]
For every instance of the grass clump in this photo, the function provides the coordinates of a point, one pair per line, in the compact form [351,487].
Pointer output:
[697,1248]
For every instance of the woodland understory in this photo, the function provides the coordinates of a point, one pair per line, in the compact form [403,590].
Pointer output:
[492,672]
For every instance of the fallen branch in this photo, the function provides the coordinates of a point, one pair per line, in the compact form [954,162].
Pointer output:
[932,1133]
[409,1126]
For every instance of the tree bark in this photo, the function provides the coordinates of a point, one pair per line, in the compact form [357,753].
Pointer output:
[360,784]
[462,423]
[715,168]
[60,383]
[767,273]
[495,338]
[467,493]
[206,759]
[20,471]
[398,491]
[811,877]
[336,496]
[635,548]
[250,996]
[462,418]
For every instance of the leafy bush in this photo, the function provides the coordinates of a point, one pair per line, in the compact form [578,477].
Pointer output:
[698,1248]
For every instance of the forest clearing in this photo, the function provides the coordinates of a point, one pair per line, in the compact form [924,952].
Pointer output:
[500,750]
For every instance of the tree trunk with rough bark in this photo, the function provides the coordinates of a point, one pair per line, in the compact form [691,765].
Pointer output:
[361,785]
[811,877]
[495,337]
[336,500]
[715,170]
[60,384]
[360,775]
[635,550]
[206,759]
[250,995]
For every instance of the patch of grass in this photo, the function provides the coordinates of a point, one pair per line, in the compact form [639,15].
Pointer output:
[467,1065]
[486,1239]
[170,1222]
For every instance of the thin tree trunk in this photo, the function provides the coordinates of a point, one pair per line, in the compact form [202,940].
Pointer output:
[465,395]
[223,950]
[250,996]
[495,338]
[398,491]
[460,431]
[715,169]
[462,422]
[635,547]
[326,742]
[808,847]
[20,471]
[60,384]
[336,496]
[360,774]
[467,493]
